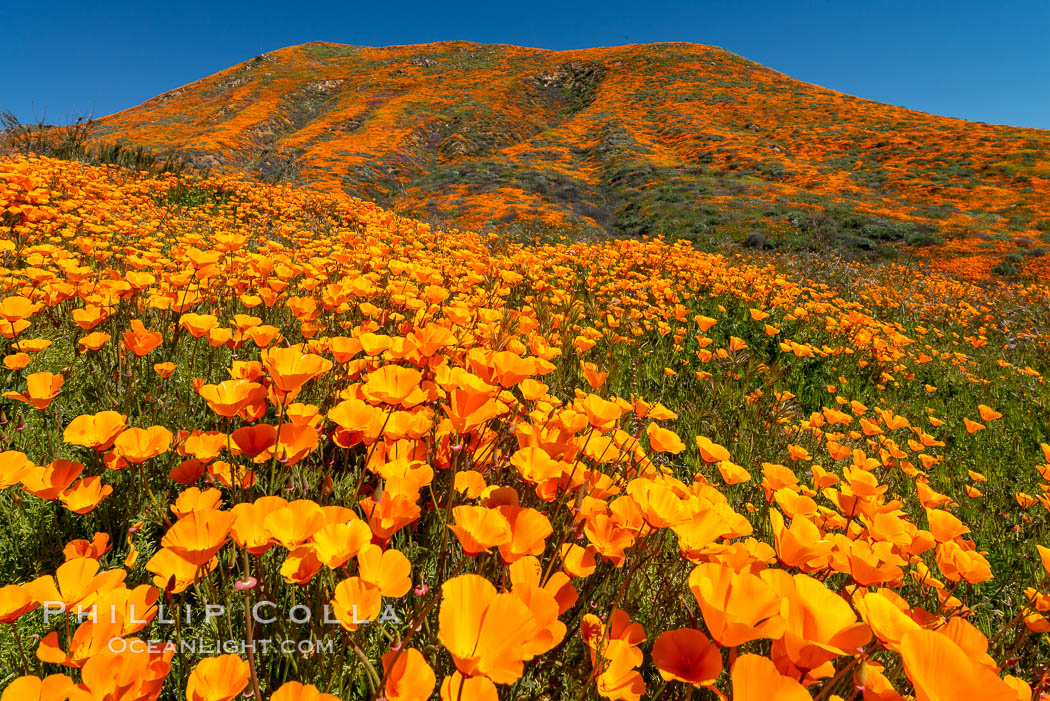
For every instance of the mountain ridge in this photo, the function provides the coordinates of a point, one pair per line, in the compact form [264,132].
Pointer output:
[673,139]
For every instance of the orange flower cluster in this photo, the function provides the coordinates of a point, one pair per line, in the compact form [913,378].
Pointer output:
[445,455]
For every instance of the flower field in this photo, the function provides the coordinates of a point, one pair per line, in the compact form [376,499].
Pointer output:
[286,444]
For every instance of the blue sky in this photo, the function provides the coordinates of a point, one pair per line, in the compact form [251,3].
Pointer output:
[967,58]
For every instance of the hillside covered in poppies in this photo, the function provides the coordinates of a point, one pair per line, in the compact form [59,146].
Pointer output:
[264,441]
[681,140]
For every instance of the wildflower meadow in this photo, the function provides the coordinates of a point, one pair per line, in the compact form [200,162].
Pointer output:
[266,442]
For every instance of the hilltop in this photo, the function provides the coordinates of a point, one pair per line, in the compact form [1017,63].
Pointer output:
[680,140]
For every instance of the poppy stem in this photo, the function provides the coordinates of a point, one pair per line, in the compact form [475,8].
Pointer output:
[248,633]
[830,685]
[21,650]
[373,678]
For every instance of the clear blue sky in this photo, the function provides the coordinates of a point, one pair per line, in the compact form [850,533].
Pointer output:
[966,58]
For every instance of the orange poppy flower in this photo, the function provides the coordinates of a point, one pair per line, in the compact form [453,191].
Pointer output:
[164,370]
[577,561]
[139,340]
[336,543]
[217,679]
[291,368]
[388,570]
[187,472]
[84,495]
[47,482]
[41,390]
[301,566]
[617,646]
[601,413]
[529,529]
[710,451]
[756,678]
[75,582]
[14,465]
[204,446]
[17,308]
[407,676]
[945,526]
[458,688]
[94,341]
[356,602]
[229,397]
[14,601]
[484,631]
[987,413]
[737,606]
[686,655]
[197,536]
[545,602]
[16,361]
[56,687]
[96,431]
[958,564]
[95,548]
[249,526]
[479,528]
[607,538]
[359,420]
[194,499]
[390,513]
[294,442]
[198,324]
[89,639]
[467,408]
[820,624]
[137,445]
[295,523]
[395,385]
[940,669]
[134,673]
[297,691]
[173,573]
[663,440]
[659,504]
[89,316]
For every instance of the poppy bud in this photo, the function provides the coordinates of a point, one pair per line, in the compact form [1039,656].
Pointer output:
[246,583]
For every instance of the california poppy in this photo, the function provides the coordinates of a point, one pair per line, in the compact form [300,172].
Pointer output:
[291,368]
[137,445]
[297,691]
[139,340]
[96,431]
[75,582]
[939,669]
[198,535]
[737,606]
[356,602]
[407,676]
[756,678]
[686,655]
[41,390]
[217,679]
[485,632]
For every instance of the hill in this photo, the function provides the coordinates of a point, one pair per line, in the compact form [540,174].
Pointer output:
[679,140]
